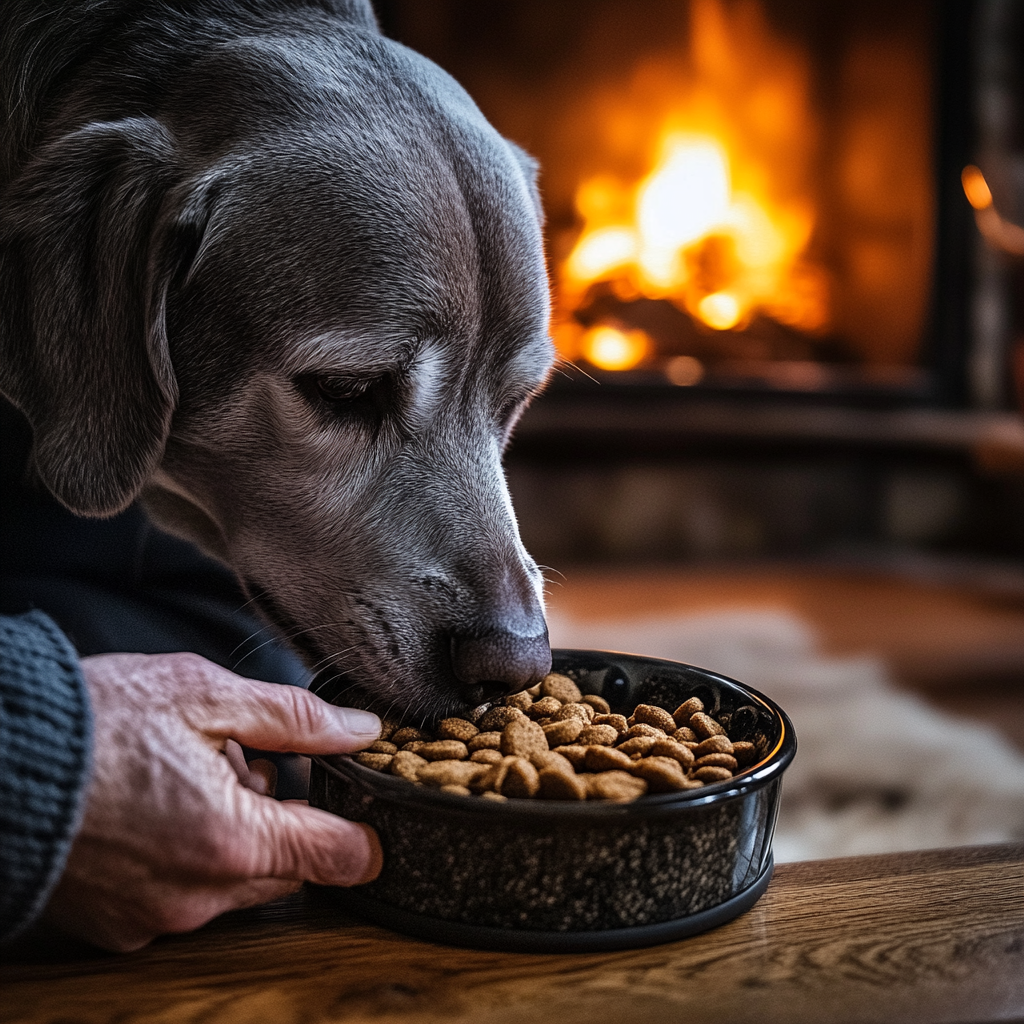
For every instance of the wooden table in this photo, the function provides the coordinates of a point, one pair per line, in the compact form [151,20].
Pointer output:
[926,937]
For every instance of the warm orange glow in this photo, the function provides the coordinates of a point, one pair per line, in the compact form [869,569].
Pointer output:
[719,310]
[611,349]
[720,225]
[976,188]
[684,370]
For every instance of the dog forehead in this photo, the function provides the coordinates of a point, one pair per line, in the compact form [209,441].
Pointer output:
[373,211]
[392,245]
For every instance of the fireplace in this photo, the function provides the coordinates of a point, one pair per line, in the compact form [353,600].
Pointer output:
[766,225]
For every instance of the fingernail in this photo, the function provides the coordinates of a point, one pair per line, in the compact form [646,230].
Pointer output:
[359,724]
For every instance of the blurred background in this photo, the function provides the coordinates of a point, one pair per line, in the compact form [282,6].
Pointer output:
[786,245]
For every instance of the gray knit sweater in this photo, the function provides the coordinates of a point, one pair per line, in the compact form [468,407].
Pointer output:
[45,756]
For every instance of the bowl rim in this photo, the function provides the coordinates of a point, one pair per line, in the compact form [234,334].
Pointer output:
[755,777]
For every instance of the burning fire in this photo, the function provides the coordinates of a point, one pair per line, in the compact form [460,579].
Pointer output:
[707,228]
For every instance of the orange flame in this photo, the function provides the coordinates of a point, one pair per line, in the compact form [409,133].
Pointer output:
[706,228]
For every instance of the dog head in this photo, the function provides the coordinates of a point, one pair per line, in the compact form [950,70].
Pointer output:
[301,323]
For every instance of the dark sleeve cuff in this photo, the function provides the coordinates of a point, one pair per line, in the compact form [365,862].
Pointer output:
[45,756]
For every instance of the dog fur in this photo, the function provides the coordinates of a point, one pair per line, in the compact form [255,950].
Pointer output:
[276,275]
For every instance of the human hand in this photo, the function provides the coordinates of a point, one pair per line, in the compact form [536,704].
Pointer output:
[170,837]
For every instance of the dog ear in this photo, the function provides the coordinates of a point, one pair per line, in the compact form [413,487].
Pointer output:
[531,171]
[83,349]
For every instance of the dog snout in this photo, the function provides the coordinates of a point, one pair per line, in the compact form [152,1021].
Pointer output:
[498,663]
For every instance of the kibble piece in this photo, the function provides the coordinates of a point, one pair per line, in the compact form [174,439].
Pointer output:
[388,726]
[521,779]
[602,735]
[477,713]
[574,754]
[407,735]
[560,687]
[718,760]
[456,729]
[484,741]
[551,761]
[599,704]
[451,773]
[745,753]
[381,747]
[642,730]
[584,712]
[444,750]
[488,794]
[637,746]
[414,746]
[662,774]
[544,708]
[378,762]
[521,700]
[712,774]
[603,759]
[705,726]
[560,733]
[486,756]
[457,790]
[406,765]
[684,734]
[669,748]
[523,738]
[497,718]
[614,785]
[713,745]
[556,785]
[493,777]
[681,715]
[617,722]
[649,714]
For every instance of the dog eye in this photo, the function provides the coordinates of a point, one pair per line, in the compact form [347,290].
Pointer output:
[341,389]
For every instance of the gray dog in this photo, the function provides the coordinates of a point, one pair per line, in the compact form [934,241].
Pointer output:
[276,275]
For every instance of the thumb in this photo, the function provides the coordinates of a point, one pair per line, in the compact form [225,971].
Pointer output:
[298,842]
[272,716]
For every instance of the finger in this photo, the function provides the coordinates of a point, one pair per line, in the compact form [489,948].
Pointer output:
[272,716]
[186,910]
[250,893]
[233,752]
[293,840]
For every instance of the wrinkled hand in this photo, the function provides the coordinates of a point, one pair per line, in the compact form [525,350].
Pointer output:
[171,837]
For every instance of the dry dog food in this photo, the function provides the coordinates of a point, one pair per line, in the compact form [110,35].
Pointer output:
[554,743]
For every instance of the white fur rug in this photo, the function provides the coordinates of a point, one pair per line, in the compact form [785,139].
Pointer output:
[877,770]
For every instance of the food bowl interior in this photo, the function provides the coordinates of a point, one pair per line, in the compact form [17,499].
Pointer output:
[626,680]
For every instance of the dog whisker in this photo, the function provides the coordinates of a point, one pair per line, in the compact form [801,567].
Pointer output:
[568,362]
[277,635]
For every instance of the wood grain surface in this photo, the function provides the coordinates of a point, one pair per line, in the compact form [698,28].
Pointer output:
[929,937]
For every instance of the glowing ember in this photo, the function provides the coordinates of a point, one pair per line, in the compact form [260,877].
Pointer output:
[979,195]
[612,349]
[707,229]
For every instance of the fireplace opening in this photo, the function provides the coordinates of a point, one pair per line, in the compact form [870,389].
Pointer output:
[740,193]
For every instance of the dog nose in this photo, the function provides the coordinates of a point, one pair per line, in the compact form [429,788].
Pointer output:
[499,663]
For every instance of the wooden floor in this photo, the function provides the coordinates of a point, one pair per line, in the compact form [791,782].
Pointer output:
[960,645]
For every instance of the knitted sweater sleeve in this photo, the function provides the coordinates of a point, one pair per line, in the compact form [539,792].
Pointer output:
[45,756]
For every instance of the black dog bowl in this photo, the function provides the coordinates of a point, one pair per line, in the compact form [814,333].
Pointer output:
[554,876]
